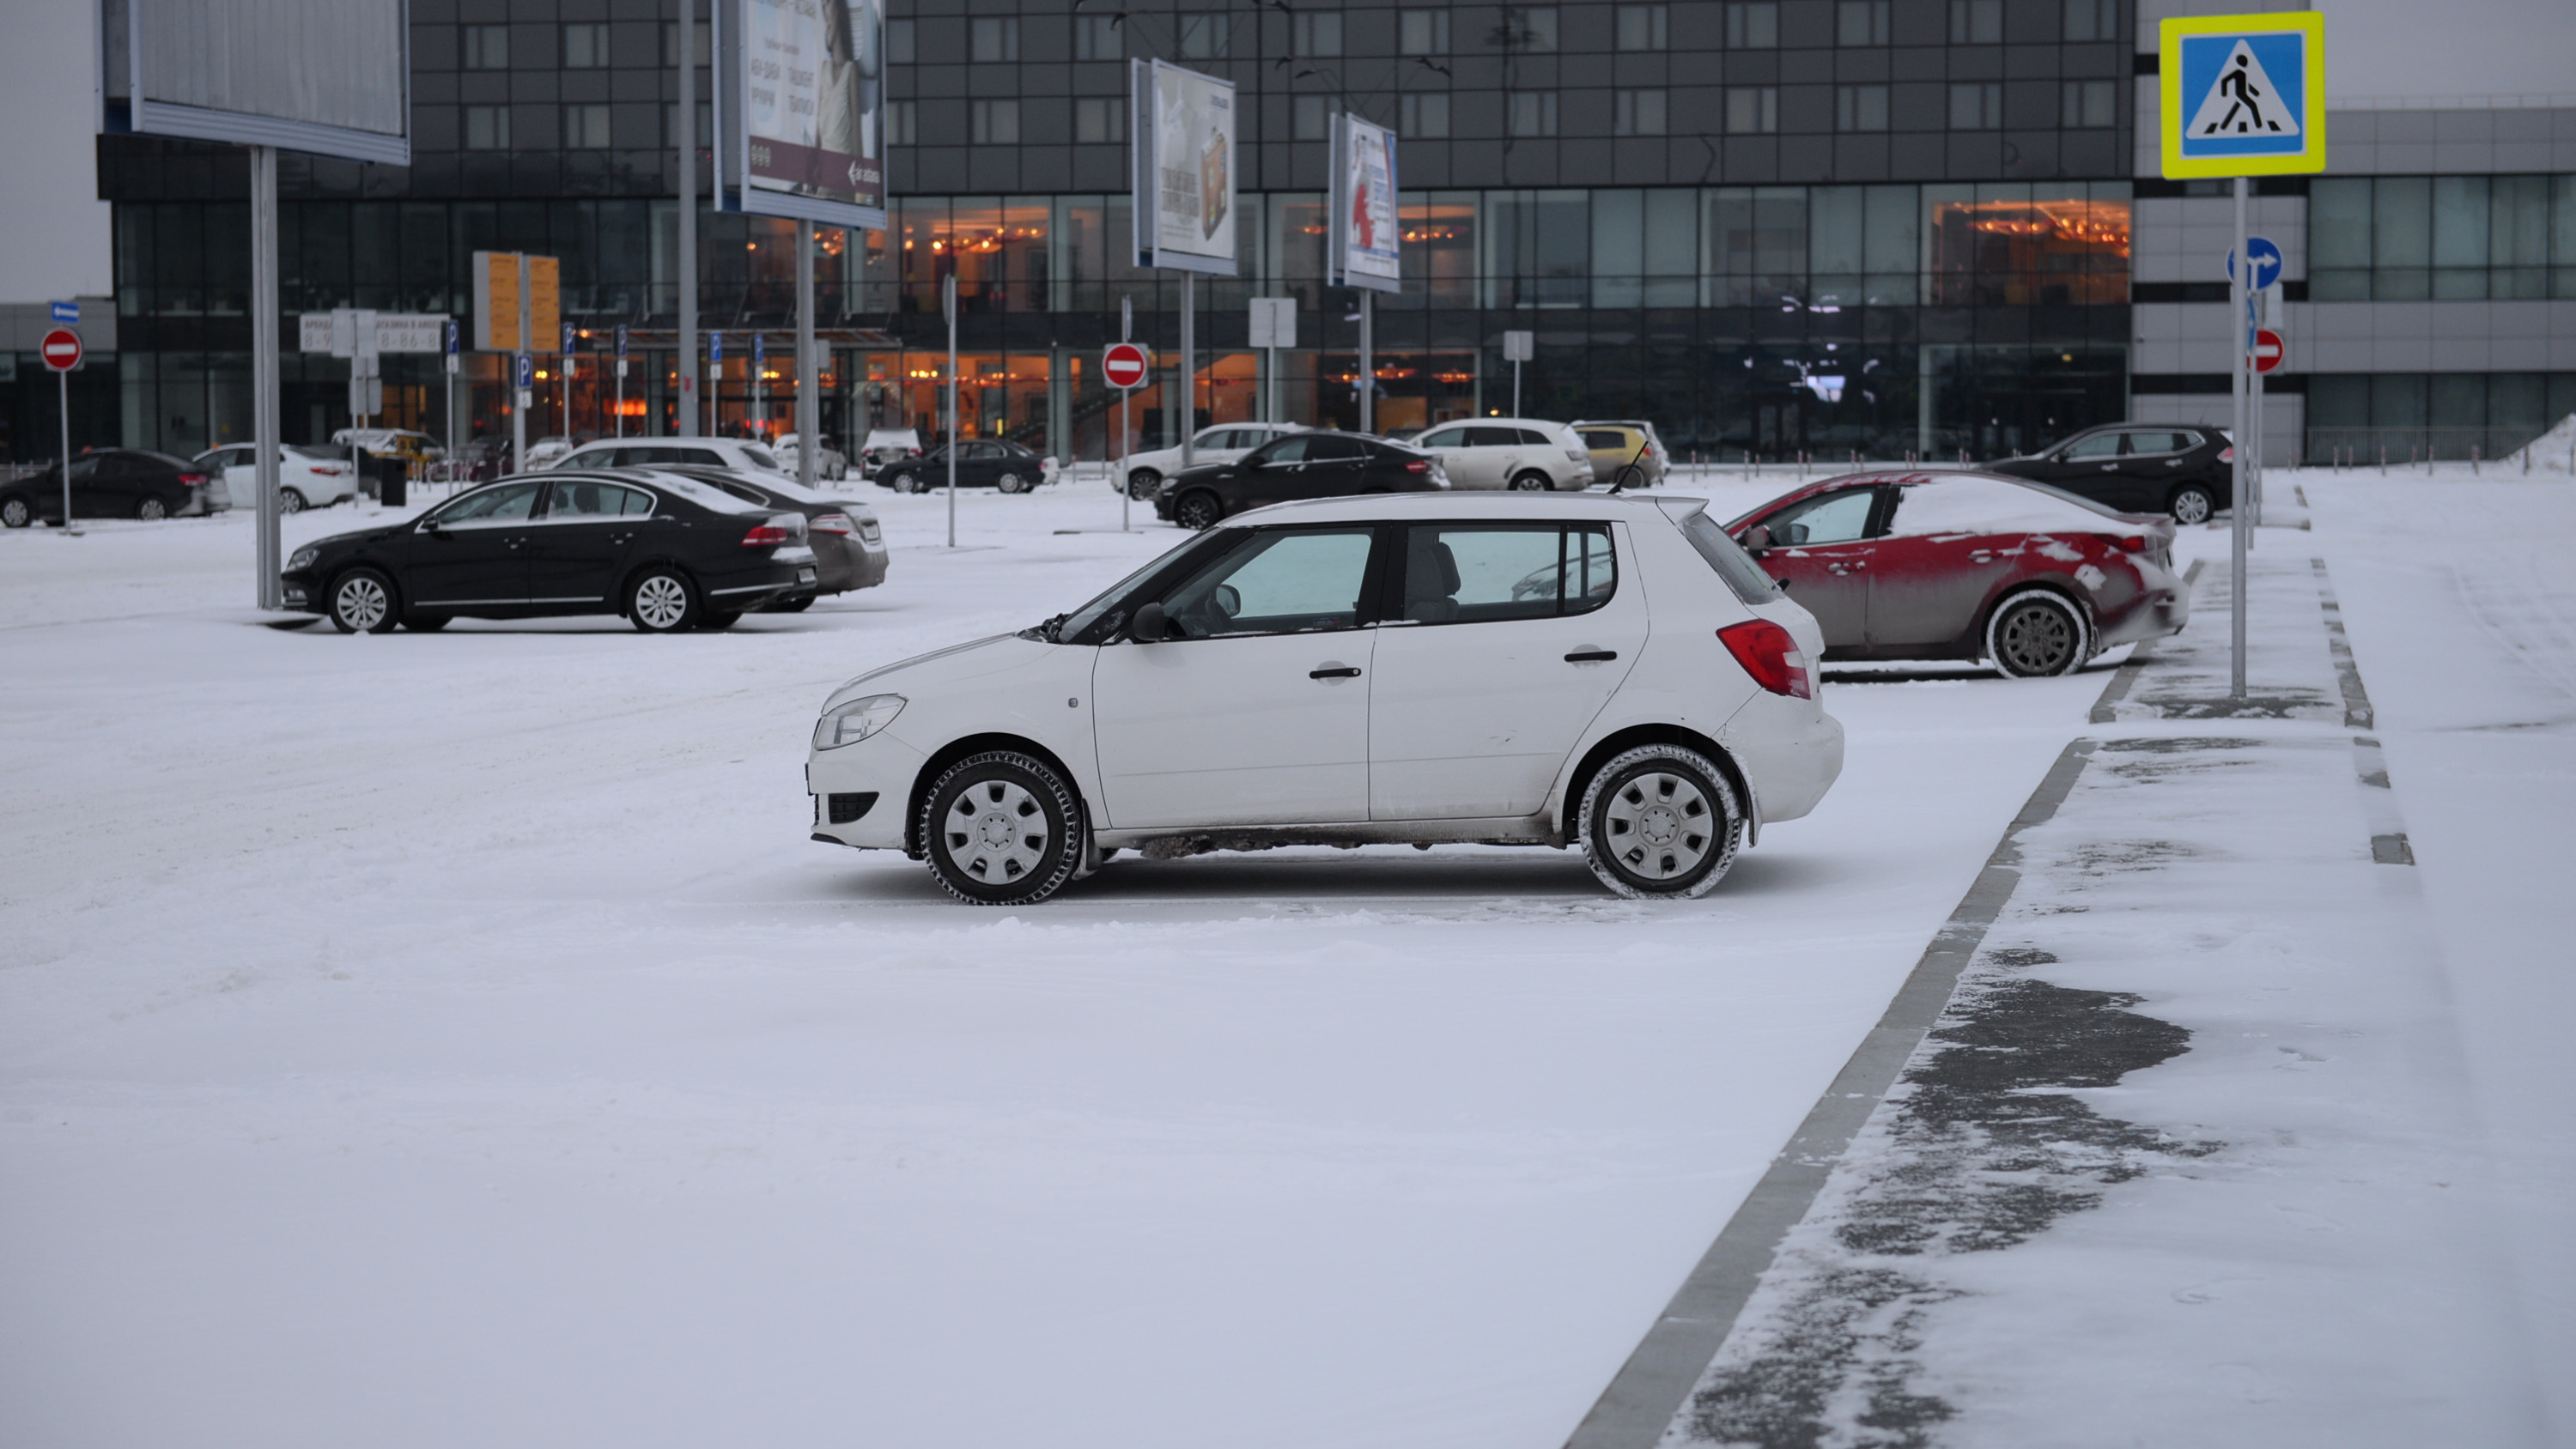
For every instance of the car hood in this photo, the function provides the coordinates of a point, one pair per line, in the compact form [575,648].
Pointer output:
[357,536]
[972,660]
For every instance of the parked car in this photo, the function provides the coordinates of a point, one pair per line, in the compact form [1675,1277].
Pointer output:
[1300,465]
[887,445]
[1914,565]
[668,553]
[113,483]
[1143,473]
[849,546]
[1520,453]
[1379,670]
[1623,453]
[829,462]
[981,463]
[1401,435]
[480,461]
[402,443]
[307,476]
[549,452]
[2178,469]
[732,453]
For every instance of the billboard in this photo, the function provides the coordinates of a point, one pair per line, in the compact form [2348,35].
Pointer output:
[328,77]
[800,109]
[499,279]
[1367,245]
[1182,167]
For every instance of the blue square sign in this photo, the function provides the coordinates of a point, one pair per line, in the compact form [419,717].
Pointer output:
[2243,95]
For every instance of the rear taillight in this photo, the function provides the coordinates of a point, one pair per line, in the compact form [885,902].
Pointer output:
[834,523]
[192,480]
[2227,455]
[2133,543]
[912,452]
[1769,655]
[767,535]
[1418,465]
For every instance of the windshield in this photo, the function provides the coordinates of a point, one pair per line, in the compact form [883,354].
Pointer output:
[1730,560]
[1070,627]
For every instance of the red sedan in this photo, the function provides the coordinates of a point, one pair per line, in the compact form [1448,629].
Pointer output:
[1916,565]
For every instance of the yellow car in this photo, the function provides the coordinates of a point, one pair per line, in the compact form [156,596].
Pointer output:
[1625,455]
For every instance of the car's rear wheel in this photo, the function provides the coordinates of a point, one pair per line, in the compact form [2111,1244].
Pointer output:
[1002,829]
[1012,483]
[1198,511]
[1660,822]
[1532,481]
[17,512]
[2192,505]
[1630,476]
[1143,484]
[908,483]
[362,602]
[290,501]
[2036,634]
[152,510]
[661,600]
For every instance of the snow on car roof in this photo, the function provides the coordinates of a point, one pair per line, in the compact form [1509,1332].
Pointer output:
[705,495]
[1485,503]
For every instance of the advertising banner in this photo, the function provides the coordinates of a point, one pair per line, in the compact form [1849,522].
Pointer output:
[801,109]
[1367,248]
[1184,169]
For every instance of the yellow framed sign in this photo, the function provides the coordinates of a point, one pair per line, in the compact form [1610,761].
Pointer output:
[2244,95]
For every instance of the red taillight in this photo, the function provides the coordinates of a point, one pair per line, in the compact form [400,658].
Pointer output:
[1768,654]
[767,535]
[1418,465]
[2227,455]
[192,480]
[914,452]
[833,523]
[2133,543]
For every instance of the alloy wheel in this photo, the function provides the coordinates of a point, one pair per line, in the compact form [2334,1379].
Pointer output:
[290,501]
[360,605]
[1012,483]
[661,603]
[2192,507]
[1199,511]
[1531,483]
[16,513]
[151,510]
[2037,638]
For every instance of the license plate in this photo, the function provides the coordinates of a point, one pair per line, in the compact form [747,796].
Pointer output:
[804,576]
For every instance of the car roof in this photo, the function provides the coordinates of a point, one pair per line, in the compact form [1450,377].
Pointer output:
[1479,504]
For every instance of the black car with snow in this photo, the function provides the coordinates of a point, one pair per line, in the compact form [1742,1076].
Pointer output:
[1301,465]
[667,552]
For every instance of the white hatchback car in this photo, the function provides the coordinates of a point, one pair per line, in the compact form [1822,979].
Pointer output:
[1525,454]
[1227,443]
[1411,668]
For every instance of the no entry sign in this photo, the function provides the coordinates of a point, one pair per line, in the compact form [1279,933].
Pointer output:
[1124,365]
[61,349]
[2268,351]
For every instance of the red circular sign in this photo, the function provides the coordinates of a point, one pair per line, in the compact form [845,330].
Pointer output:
[2269,353]
[1125,364]
[61,349]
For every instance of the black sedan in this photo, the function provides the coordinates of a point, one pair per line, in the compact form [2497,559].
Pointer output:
[110,483]
[668,553]
[849,547]
[981,463]
[1301,465]
[2175,469]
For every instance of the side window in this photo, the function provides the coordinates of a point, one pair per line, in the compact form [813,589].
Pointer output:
[1275,582]
[2159,442]
[1442,438]
[1334,447]
[508,503]
[1482,573]
[1533,438]
[586,499]
[2100,445]
[1492,437]
[1831,518]
[1604,441]
[1287,450]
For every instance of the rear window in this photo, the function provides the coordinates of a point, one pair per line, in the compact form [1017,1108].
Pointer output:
[1603,441]
[761,457]
[1730,560]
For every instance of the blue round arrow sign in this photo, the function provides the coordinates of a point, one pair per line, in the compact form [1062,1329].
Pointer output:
[2267,261]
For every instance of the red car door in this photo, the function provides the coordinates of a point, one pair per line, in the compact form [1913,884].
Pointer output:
[1950,546]
[1825,549]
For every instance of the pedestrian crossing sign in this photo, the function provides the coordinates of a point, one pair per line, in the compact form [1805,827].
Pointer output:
[2244,95]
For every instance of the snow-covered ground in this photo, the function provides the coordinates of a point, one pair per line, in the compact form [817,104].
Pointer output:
[415,1040]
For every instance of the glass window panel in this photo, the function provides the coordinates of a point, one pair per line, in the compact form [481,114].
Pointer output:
[2457,400]
[1753,25]
[2338,222]
[2518,227]
[1672,247]
[2460,206]
[1422,32]
[1275,583]
[2401,221]
[1977,22]
[2562,221]
[1836,230]
[1893,247]
[1618,248]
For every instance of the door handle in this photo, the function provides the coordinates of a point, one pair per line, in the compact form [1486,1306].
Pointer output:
[1591,656]
[2110,467]
[1334,671]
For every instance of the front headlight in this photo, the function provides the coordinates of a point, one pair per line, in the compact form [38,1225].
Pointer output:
[303,558]
[851,721]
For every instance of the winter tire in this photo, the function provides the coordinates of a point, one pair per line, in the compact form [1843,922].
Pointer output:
[661,600]
[2036,634]
[1532,482]
[1003,829]
[1198,512]
[362,601]
[2192,506]
[17,512]
[1143,484]
[152,510]
[909,483]
[1660,822]
[1012,483]
[1628,477]
[290,501]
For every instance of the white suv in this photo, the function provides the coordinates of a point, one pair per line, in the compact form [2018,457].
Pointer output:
[1406,668]
[1144,472]
[1526,454]
[733,453]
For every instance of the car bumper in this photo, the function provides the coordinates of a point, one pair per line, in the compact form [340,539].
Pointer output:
[874,778]
[1790,751]
[748,588]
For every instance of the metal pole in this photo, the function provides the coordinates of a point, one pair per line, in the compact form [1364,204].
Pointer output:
[2239,280]
[1126,333]
[263,370]
[449,362]
[63,382]
[1189,368]
[617,416]
[1368,361]
[688,128]
[948,304]
[809,406]
[1516,389]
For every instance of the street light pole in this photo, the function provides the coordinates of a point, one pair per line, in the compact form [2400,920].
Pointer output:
[263,369]
[948,304]
[809,402]
[688,137]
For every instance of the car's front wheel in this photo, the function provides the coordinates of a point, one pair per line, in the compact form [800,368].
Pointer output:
[2192,505]
[661,600]
[1198,511]
[152,510]
[1143,484]
[1660,822]
[2036,634]
[17,512]
[1532,481]
[1002,829]
[362,602]
[1012,483]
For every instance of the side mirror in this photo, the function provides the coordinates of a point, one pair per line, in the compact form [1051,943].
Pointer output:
[429,525]
[1757,539]
[1149,626]
[1254,460]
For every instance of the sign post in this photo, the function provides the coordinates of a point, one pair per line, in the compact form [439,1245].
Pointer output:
[2242,96]
[1518,347]
[571,344]
[948,308]
[451,337]
[715,378]
[1367,245]
[1274,325]
[619,418]
[1125,366]
[62,352]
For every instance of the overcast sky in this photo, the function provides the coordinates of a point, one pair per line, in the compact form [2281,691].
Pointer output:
[53,229]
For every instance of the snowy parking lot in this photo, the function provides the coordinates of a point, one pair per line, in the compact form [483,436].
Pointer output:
[438,1039]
